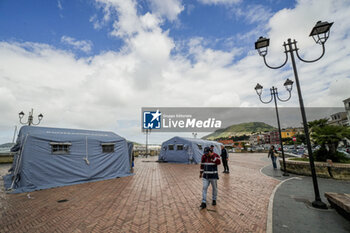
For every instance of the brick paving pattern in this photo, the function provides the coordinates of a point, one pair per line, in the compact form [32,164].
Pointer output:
[158,198]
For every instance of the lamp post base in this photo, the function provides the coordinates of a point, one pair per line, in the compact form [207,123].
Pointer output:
[319,205]
[285,174]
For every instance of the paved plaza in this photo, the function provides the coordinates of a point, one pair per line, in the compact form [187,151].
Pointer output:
[160,197]
[165,197]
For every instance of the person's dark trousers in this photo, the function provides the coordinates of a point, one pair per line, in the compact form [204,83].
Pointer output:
[273,158]
[224,162]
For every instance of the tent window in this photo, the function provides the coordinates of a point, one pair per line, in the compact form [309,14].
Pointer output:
[171,147]
[199,146]
[108,148]
[179,147]
[60,148]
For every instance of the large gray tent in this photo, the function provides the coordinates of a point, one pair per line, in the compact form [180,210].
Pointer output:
[185,150]
[51,157]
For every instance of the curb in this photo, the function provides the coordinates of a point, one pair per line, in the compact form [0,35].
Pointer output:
[269,221]
[269,226]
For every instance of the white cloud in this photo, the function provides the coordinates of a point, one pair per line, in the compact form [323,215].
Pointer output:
[128,22]
[253,13]
[319,79]
[189,8]
[215,58]
[149,22]
[215,2]
[59,5]
[83,45]
[104,89]
[98,24]
[167,8]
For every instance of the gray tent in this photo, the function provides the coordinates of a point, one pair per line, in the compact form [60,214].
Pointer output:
[131,151]
[185,150]
[51,157]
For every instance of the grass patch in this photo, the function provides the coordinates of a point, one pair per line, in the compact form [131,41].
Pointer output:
[345,160]
[300,159]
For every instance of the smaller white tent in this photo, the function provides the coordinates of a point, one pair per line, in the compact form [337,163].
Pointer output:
[186,150]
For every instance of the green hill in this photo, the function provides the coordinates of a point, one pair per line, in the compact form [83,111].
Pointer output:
[239,130]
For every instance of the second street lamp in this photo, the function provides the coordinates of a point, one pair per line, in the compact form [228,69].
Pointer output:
[148,131]
[30,118]
[274,96]
[320,34]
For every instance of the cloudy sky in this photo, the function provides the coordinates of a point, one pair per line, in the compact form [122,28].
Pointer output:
[93,64]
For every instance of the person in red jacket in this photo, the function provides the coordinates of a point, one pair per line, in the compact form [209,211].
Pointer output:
[209,173]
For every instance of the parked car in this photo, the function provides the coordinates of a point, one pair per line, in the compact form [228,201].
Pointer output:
[315,148]
[344,151]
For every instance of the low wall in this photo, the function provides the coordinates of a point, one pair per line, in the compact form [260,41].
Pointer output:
[6,157]
[339,171]
[138,153]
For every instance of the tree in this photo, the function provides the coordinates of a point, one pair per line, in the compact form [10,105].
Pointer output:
[244,146]
[288,141]
[328,137]
[300,138]
[317,123]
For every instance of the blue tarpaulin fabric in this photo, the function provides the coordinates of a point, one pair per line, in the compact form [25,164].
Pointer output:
[130,150]
[36,167]
[185,150]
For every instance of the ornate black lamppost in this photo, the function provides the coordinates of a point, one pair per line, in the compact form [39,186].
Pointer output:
[274,96]
[30,118]
[320,34]
[148,131]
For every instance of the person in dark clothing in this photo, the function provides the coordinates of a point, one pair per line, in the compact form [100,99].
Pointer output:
[273,154]
[224,157]
[212,148]
[209,172]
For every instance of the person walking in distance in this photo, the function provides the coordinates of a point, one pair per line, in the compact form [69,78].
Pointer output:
[224,157]
[273,154]
[212,148]
[209,173]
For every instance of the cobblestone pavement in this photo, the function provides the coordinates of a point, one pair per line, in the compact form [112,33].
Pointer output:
[160,197]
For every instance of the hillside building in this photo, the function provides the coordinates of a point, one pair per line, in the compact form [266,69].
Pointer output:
[339,118]
[227,142]
[288,133]
[267,138]
[257,139]
[274,137]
